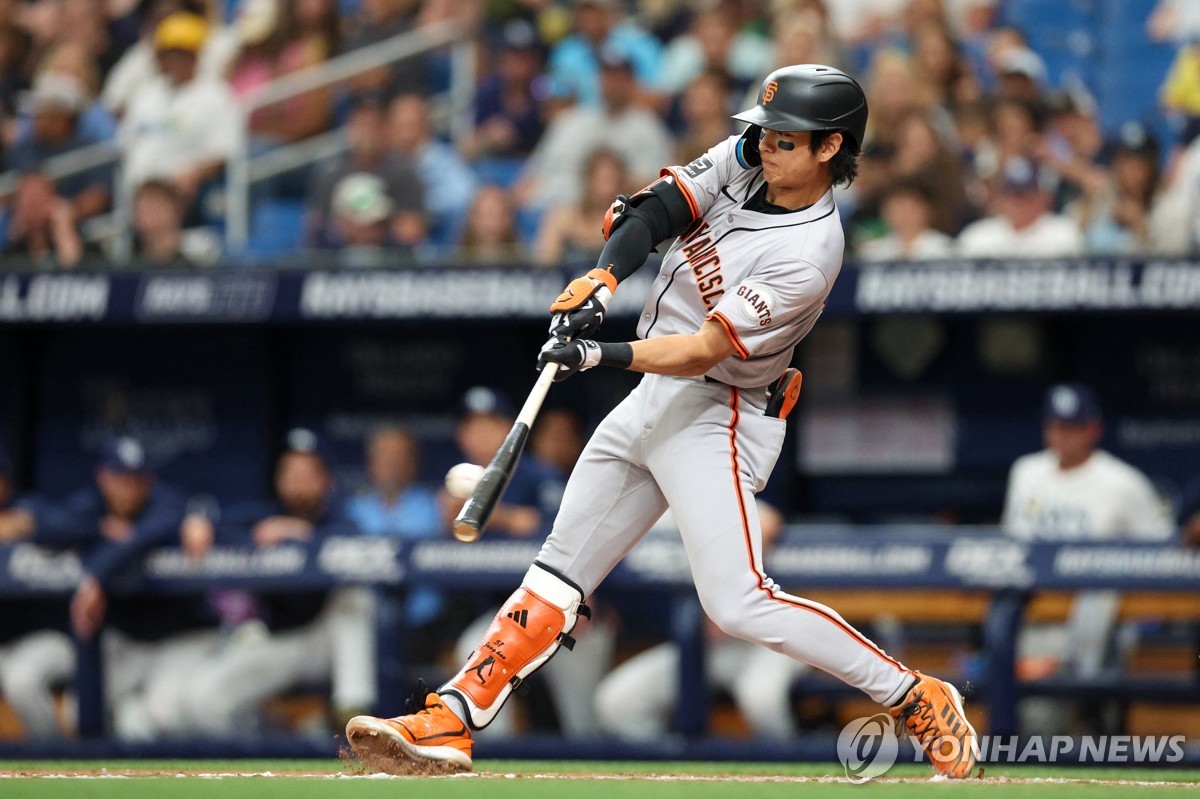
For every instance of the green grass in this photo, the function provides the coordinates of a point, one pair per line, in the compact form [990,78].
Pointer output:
[513,780]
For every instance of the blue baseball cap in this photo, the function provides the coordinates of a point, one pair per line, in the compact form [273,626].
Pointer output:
[1074,403]
[305,440]
[482,399]
[126,455]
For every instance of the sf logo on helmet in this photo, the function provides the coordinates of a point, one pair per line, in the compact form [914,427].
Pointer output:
[769,91]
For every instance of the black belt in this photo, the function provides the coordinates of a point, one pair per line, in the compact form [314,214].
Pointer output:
[708,379]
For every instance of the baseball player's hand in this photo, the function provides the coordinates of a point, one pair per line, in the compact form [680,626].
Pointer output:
[87,608]
[572,356]
[16,524]
[581,306]
[278,529]
[116,529]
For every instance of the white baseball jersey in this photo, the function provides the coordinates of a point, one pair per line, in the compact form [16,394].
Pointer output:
[704,448]
[1102,498]
[763,276]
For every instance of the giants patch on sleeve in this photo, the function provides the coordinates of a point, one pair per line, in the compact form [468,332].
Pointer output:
[698,167]
[756,303]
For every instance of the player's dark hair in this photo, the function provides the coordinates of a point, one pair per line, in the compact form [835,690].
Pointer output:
[844,164]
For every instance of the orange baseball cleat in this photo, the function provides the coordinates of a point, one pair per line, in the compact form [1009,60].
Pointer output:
[431,733]
[932,711]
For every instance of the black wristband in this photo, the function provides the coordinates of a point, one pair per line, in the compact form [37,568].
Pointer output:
[618,354]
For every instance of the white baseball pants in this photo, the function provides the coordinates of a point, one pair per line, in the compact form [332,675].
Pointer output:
[704,449]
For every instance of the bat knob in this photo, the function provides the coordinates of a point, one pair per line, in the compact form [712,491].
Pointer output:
[465,531]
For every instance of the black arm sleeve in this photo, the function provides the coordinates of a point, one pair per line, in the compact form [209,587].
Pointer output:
[627,248]
[657,213]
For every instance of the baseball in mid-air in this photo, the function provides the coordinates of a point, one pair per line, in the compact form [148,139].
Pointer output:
[462,479]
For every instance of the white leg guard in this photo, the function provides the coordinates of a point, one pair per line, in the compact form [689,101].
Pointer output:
[529,628]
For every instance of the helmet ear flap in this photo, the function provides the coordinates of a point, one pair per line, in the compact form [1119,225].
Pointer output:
[746,148]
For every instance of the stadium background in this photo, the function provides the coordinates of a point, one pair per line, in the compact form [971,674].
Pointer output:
[246,348]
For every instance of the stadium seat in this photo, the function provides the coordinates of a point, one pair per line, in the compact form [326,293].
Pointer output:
[500,171]
[276,226]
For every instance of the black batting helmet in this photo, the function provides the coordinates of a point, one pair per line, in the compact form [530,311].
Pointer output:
[810,97]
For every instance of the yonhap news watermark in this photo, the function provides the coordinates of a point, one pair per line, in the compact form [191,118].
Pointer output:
[868,747]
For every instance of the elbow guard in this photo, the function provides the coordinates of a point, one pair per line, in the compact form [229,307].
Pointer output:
[661,206]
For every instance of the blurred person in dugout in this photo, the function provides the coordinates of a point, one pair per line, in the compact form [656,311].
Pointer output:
[393,503]
[37,656]
[146,645]
[557,439]
[535,490]
[1074,491]
[530,502]
[637,699]
[284,639]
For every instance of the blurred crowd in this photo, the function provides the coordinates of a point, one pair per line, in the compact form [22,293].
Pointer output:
[972,149]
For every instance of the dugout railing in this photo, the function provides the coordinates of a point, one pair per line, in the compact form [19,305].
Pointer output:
[939,576]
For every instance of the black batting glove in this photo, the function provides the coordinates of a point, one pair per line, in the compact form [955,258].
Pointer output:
[572,356]
[580,308]
[585,319]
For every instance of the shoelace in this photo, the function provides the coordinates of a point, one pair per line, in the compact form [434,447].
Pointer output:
[415,704]
[918,718]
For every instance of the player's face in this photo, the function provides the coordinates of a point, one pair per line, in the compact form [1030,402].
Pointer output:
[124,494]
[796,176]
[481,434]
[302,483]
[1072,442]
[392,461]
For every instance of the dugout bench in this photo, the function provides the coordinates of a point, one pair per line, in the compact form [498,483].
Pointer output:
[936,578]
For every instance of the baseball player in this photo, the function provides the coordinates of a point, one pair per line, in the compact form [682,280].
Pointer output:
[36,651]
[303,635]
[756,244]
[113,523]
[1074,491]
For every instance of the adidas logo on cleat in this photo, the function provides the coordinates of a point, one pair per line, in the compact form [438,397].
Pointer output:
[519,616]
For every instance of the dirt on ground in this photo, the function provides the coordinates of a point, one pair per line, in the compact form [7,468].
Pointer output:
[389,768]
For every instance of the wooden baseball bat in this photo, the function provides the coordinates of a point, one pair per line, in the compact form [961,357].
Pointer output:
[473,517]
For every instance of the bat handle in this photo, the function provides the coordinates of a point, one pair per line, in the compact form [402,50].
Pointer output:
[533,403]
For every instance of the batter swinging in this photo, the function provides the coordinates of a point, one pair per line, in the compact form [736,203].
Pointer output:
[757,246]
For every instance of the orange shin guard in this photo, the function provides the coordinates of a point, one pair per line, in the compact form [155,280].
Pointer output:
[529,628]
